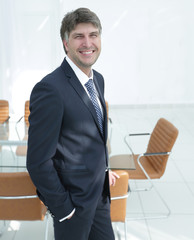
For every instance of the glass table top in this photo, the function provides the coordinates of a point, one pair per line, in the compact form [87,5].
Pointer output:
[13,146]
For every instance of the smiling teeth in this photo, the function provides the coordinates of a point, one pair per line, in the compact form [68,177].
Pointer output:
[87,52]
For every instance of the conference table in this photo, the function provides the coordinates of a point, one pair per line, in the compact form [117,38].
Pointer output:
[122,162]
[13,149]
[13,146]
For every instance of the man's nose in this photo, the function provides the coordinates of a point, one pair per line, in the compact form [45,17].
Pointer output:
[87,42]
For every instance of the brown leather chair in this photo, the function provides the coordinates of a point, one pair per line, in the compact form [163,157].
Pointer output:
[4,117]
[22,150]
[119,194]
[109,121]
[18,199]
[4,111]
[152,164]
[27,112]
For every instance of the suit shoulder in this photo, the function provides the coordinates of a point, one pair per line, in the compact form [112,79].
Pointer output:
[53,77]
[56,80]
[98,75]
[49,87]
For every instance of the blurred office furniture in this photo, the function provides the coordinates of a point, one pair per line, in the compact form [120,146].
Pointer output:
[4,111]
[119,194]
[4,117]
[27,112]
[152,164]
[22,150]
[18,199]
[25,116]
[109,128]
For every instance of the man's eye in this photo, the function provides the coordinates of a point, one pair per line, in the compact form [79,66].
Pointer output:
[78,36]
[94,35]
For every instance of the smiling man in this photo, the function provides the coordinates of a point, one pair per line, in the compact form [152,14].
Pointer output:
[67,155]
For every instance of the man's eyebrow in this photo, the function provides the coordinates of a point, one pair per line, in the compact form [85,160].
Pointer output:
[77,34]
[81,34]
[95,32]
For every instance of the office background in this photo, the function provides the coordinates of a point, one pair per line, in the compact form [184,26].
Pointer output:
[147,48]
[147,60]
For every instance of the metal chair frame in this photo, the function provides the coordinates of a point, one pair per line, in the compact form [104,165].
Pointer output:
[125,223]
[148,178]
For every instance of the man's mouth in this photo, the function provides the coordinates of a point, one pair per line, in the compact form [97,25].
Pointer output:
[87,52]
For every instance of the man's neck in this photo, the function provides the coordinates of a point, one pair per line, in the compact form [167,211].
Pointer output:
[87,72]
[83,78]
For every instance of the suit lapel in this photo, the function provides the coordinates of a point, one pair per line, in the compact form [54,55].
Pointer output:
[75,83]
[103,105]
[84,97]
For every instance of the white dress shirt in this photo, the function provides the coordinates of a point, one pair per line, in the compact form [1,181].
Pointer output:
[83,78]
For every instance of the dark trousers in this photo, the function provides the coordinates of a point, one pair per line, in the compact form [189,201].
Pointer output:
[97,227]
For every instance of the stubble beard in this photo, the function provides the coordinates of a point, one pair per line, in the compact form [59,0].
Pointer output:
[86,65]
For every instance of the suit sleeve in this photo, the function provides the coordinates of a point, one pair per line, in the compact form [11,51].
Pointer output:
[46,113]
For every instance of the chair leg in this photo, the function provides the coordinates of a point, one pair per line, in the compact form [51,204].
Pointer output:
[47,225]
[125,226]
[3,228]
[117,230]
[157,216]
[143,189]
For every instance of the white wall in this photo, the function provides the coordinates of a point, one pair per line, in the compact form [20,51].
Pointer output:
[147,54]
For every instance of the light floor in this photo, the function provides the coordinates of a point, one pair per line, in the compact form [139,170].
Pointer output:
[176,186]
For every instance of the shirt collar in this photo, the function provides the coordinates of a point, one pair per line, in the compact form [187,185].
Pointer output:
[83,78]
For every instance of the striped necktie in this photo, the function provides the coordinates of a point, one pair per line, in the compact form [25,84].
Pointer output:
[93,95]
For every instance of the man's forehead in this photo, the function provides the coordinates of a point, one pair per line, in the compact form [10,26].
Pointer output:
[84,28]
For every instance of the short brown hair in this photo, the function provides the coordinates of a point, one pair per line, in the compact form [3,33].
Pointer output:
[80,15]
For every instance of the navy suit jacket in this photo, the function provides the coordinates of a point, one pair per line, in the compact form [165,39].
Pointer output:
[67,154]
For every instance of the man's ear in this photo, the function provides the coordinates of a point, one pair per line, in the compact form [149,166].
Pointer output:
[65,43]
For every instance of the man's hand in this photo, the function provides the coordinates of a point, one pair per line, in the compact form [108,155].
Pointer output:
[68,217]
[112,178]
[71,214]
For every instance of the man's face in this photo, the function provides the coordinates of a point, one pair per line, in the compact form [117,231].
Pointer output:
[84,46]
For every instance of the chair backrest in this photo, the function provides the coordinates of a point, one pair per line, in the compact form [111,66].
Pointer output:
[27,112]
[118,206]
[107,109]
[4,110]
[19,184]
[162,139]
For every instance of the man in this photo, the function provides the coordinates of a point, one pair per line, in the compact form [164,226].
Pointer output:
[67,155]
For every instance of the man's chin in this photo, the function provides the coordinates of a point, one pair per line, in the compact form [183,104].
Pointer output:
[88,64]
